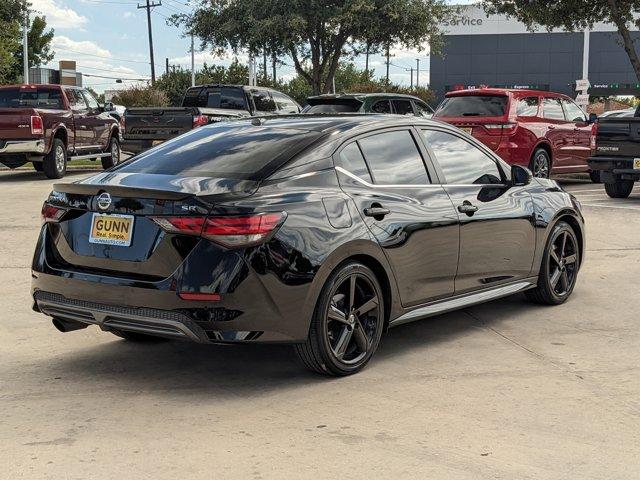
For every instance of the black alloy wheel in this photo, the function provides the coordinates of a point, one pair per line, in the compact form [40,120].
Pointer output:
[541,164]
[347,323]
[560,267]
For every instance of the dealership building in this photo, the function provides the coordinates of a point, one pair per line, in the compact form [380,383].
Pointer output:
[498,51]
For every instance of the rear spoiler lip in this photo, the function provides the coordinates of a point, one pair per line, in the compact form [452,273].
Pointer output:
[120,191]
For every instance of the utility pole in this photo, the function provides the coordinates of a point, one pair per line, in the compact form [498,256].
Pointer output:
[148,7]
[417,72]
[406,69]
[387,62]
[193,63]
[166,66]
[25,45]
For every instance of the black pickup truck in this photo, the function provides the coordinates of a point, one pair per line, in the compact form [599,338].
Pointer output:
[617,156]
[201,105]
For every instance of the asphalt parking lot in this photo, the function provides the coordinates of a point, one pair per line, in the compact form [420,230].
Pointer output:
[505,390]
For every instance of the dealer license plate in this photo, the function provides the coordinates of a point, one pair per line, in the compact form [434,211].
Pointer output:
[111,229]
[636,163]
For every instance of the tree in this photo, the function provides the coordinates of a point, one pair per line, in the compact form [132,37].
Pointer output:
[137,96]
[575,15]
[315,34]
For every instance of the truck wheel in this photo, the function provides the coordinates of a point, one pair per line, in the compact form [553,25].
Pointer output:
[594,175]
[54,163]
[541,164]
[620,189]
[38,166]
[114,150]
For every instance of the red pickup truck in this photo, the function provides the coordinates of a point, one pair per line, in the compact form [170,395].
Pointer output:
[51,124]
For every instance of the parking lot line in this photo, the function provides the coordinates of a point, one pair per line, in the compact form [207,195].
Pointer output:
[610,206]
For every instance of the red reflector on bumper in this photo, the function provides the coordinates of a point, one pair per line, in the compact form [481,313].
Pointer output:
[199,297]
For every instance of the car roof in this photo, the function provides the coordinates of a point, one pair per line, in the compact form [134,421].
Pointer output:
[231,85]
[360,96]
[517,92]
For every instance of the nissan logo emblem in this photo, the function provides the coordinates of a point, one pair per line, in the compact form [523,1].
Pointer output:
[104,201]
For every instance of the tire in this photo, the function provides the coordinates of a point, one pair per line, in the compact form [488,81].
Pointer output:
[619,189]
[54,163]
[116,152]
[540,164]
[138,337]
[342,337]
[594,175]
[559,270]
[38,166]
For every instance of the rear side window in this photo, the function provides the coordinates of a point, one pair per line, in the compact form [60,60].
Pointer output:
[462,162]
[216,97]
[32,97]
[351,159]
[423,109]
[552,109]
[402,107]
[263,101]
[527,107]
[76,100]
[238,151]
[473,106]
[394,158]
[382,106]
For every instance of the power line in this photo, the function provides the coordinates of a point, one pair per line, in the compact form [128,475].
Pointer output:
[91,75]
[102,56]
[113,2]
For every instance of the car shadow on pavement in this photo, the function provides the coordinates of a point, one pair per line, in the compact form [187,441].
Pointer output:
[232,370]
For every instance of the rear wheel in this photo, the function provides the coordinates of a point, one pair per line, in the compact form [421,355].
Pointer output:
[138,337]
[541,163]
[347,323]
[114,150]
[619,189]
[54,163]
[594,175]
[559,269]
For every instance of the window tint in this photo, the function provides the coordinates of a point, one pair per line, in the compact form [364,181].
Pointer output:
[35,98]
[225,97]
[423,109]
[382,106]
[263,101]
[402,107]
[552,109]
[573,112]
[90,99]
[351,159]
[473,106]
[462,163]
[225,150]
[394,159]
[527,107]
[284,103]
[332,108]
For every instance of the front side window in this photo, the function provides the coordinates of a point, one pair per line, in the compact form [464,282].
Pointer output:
[573,112]
[382,106]
[263,101]
[462,162]
[284,103]
[552,109]
[351,159]
[402,107]
[527,107]
[90,99]
[394,158]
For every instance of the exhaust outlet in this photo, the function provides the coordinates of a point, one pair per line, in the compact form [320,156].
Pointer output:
[68,325]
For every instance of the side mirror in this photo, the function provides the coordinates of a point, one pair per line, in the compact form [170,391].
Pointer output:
[108,107]
[593,117]
[520,176]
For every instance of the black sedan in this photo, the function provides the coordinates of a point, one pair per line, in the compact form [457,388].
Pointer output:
[321,232]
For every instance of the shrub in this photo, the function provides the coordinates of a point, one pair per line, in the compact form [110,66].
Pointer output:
[141,97]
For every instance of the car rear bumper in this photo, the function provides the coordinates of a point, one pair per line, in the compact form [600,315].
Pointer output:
[622,166]
[22,146]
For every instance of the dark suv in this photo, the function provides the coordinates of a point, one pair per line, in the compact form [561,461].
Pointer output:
[368,103]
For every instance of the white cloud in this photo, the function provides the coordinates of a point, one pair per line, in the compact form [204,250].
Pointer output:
[71,48]
[58,15]
[206,57]
[127,14]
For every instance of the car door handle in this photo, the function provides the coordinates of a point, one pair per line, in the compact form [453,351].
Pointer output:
[467,208]
[376,212]
[551,127]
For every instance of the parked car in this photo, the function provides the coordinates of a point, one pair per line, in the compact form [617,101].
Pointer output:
[368,103]
[627,112]
[617,155]
[547,132]
[49,125]
[318,231]
[202,105]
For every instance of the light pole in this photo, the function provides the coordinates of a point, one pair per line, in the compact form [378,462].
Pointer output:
[25,45]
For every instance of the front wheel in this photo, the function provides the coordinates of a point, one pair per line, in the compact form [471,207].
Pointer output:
[347,323]
[619,189]
[114,150]
[559,269]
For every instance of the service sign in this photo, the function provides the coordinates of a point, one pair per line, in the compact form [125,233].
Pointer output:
[582,85]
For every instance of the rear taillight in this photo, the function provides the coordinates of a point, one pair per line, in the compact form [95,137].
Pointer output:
[37,127]
[230,231]
[500,128]
[200,120]
[594,136]
[51,214]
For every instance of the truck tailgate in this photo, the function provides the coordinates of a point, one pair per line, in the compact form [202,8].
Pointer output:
[15,123]
[157,123]
[618,137]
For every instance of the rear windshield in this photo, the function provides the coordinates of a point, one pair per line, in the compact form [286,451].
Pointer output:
[333,106]
[31,98]
[215,97]
[473,106]
[231,150]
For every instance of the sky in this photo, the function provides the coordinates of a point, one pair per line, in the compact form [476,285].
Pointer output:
[108,38]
